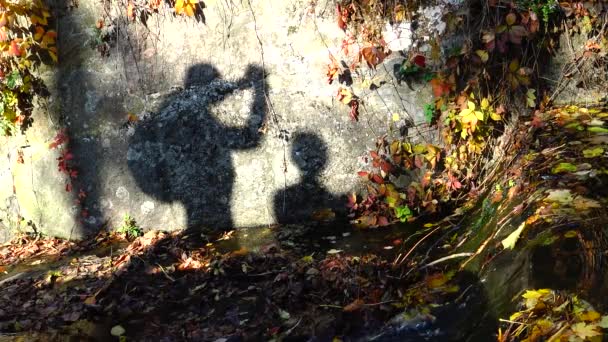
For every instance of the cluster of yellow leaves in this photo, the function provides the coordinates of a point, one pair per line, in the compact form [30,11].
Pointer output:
[472,115]
[187,7]
[549,315]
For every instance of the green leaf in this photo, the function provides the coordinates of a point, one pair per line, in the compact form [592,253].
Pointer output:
[531,98]
[14,80]
[593,152]
[509,241]
[596,129]
[429,111]
[403,213]
[563,167]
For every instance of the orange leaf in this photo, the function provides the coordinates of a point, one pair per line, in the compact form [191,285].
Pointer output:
[39,33]
[373,55]
[154,4]
[49,39]
[130,11]
[41,19]
[440,87]
[356,305]
[14,49]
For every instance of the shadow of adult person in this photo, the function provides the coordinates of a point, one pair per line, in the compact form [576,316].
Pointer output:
[182,153]
[308,198]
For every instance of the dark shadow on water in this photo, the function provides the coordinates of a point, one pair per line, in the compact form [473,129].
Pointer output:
[183,153]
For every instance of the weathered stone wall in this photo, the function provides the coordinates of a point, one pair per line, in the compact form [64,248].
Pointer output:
[236,124]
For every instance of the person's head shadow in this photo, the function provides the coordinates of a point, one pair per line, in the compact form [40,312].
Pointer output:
[182,153]
[298,202]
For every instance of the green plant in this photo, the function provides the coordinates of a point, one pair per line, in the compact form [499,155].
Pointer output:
[403,213]
[543,8]
[130,227]
[429,112]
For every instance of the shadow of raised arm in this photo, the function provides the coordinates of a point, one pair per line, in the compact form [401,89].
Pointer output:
[249,136]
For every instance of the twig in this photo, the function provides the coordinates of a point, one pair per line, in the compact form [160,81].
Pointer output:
[449,257]
[292,328]
[165,273]
[381,303]
[399,262]
[330,306]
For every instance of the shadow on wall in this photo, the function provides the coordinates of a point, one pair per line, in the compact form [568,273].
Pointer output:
[293,204]
[183,153]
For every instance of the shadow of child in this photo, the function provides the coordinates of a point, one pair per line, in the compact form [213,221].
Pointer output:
[298,203]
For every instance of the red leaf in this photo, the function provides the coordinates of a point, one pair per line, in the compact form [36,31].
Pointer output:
[68,187]
[354,110]
[363,173]
[341,22]
[419,60]
[374,154]
[377,179]
[382,221]
[386,167]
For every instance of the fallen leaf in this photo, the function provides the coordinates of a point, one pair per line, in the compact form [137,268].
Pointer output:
[593,152]
[596,129]
[584,330]
[356,305]
[117,331]
[563,167]
[509,241]
[562,196]
[583,204]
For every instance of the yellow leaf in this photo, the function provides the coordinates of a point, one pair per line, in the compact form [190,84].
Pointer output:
[471,105]
[495,116]
[483,54]
[485,104]
[514,65]
[589,316]
[515,316]
[345,96]
[584,330]
[509,241]
[396,117]
[399,13]
[40,19]
[186,7]
[53,53]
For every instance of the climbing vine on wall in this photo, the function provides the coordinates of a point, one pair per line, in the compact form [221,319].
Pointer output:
[474,83]
[26,42]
